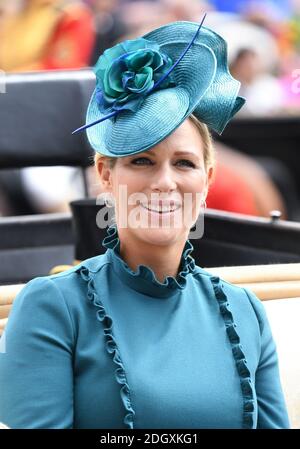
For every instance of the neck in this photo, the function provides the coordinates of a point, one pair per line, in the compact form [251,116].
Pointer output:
[163,260]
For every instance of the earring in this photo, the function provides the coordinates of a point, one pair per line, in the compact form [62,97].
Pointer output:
[203,204]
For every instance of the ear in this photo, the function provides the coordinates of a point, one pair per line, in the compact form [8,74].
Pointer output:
[209,179]
[104,173]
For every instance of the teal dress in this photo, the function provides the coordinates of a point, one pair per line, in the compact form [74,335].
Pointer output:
[101,346]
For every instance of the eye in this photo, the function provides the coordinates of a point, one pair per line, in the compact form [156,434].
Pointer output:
[187,163]
[141,161]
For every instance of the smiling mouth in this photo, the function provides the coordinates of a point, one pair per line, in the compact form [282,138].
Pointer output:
[161,209]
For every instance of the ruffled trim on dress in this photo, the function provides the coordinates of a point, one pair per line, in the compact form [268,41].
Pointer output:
[238,354]
[111,345]
[187,264]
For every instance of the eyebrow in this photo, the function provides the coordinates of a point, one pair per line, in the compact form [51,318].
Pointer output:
[177,153]
[186,153]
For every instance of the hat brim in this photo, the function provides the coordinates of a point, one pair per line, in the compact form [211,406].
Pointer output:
[221,100]
[162,111]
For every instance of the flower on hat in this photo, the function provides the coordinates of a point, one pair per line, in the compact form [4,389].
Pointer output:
[127,72]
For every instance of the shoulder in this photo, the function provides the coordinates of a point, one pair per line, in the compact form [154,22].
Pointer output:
[60,288]
[246,299]
[242,301]
[53,302]
[206,277]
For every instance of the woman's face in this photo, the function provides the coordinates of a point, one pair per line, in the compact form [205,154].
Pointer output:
[159,193]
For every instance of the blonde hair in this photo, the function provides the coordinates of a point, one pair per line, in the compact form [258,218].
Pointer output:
[208,148]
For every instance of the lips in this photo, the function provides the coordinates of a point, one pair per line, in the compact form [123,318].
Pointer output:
[162,207]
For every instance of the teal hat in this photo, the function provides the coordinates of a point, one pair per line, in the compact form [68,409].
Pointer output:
[147,87]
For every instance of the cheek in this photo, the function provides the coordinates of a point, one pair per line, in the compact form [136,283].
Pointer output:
[194,188]
[126,184]
[195,183]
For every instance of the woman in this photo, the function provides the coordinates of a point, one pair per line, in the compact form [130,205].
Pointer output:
[141,337]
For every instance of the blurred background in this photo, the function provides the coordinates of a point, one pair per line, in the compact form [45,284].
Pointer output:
[264,54]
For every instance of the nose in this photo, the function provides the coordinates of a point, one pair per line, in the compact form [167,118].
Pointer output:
[163,179]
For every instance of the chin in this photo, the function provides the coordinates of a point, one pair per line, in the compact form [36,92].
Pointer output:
[161,236]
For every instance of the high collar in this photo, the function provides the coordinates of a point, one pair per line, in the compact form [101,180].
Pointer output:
[143,280]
